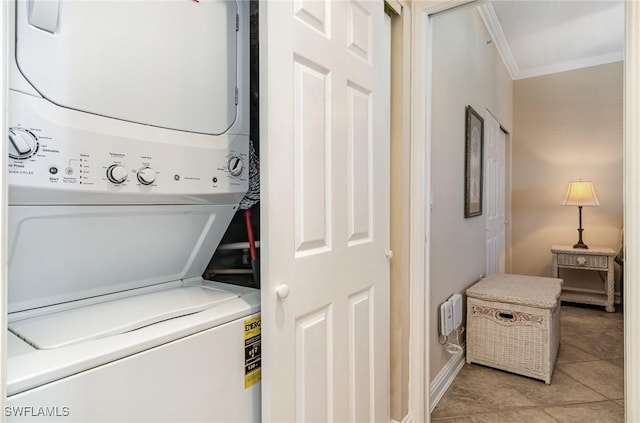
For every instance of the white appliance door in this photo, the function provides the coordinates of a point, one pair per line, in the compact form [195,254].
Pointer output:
[171,64]
[59,254]
[325,209]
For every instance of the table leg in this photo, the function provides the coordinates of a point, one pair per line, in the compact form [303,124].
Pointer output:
[609,306]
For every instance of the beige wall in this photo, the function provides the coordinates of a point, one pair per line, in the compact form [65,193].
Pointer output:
[467,70]
[566,126]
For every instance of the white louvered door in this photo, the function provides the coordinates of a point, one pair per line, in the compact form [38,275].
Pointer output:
[325,210]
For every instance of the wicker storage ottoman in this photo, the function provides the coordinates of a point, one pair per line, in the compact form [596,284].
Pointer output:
[513,324]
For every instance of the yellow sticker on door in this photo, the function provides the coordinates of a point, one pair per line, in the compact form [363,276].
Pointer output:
[252,352]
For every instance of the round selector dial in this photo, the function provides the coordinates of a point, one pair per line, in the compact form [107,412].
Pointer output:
[117,173]
[235,165]
[146,176]
[22,143]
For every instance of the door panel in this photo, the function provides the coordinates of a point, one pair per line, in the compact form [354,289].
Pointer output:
[325,210]
[361,356]
[313,367]
[311,162]
[359,165]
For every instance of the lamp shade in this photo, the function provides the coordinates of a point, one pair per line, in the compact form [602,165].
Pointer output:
[581,193]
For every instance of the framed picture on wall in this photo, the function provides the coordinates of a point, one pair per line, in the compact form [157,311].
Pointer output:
[473,163]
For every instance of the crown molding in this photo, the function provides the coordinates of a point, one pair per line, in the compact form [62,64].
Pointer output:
[571,65]
[491,22]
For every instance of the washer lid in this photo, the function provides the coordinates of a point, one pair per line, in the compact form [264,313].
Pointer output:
[61,254]
[117,316]
[171,64]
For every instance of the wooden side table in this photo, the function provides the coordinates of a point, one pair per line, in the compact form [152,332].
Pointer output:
[595,258]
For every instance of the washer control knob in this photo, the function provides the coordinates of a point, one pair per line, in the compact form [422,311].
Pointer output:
[146,176]
[117,173]
[235,165]
[22,143]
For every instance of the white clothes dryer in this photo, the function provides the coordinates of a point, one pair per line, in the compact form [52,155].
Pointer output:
[128,148]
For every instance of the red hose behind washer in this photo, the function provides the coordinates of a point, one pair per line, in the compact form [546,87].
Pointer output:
[252,247]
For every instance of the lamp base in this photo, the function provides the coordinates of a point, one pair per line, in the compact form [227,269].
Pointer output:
[580,244]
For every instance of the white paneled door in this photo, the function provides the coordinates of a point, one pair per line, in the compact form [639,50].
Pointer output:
[325,210]
[495,190]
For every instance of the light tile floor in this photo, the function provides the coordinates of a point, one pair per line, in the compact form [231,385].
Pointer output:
[586,386]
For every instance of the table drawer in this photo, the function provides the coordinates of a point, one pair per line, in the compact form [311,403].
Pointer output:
[577,260]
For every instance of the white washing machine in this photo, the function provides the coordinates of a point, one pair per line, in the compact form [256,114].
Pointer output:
[128,156]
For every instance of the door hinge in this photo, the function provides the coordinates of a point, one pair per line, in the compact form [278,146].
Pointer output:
[236,96]
[237,22]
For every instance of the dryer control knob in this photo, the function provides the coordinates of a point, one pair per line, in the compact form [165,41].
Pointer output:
[117,173]
[235,165]
[22,143]
[146,176]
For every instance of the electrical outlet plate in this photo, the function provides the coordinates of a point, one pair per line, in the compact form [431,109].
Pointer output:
[451,314]
[446,318]
[456,300]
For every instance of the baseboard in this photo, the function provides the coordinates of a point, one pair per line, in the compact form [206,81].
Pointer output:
[444,379]
[406,419]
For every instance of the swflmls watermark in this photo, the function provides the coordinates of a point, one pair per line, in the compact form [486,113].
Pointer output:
[31,411]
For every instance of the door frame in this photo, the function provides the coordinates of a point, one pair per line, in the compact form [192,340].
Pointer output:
[421,64]
[421,326]
[400,207]
[632,202]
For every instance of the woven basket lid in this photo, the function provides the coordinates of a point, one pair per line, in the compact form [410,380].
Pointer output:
[532,291]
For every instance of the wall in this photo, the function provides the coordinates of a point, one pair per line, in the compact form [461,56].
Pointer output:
[467,70]
[566,126]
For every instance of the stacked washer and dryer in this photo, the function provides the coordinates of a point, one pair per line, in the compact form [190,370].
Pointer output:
[128,146]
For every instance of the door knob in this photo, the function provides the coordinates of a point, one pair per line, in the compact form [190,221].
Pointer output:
[389,254]
[282,291]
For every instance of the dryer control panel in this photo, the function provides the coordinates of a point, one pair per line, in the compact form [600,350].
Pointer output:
[118,163]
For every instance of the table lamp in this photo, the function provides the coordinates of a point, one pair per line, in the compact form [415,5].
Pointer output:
[581,194]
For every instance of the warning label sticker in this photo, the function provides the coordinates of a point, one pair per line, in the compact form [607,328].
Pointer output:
[252,352]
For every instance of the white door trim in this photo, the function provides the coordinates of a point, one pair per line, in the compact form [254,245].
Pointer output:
[631,207]
[420,211]
[400,209]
